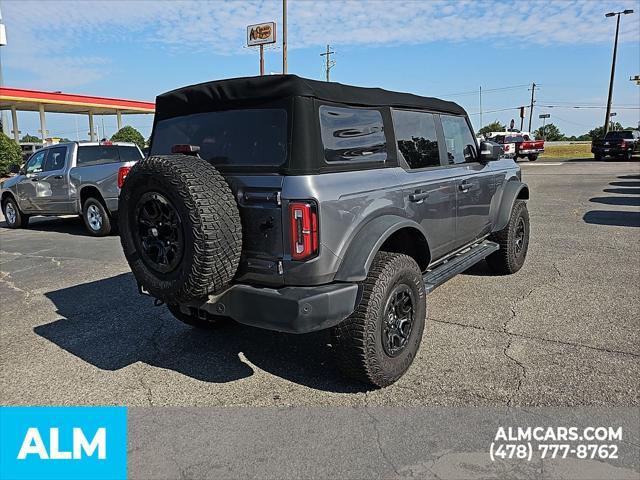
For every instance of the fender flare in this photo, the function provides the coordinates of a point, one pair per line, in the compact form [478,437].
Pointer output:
[513,190]
[367,242]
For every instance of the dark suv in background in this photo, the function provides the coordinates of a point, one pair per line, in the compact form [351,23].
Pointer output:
[297,205]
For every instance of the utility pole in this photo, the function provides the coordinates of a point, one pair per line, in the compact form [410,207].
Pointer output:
[329,64]
[480,106]
[284,37]
[533,91]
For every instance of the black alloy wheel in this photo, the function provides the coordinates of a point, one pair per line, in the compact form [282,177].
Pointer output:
[158,232]
[399,317]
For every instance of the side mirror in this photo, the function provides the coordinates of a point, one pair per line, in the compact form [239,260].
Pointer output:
[490,151]
[15,168]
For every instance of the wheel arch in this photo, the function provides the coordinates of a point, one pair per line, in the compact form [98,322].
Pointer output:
[513,190]
[387,233]
[7,195]
[88,191]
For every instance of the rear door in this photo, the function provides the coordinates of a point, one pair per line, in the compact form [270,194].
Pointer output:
[474,181]
[430,196]
[53,183]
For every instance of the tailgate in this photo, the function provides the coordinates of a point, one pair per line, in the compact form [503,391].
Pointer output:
[260,208]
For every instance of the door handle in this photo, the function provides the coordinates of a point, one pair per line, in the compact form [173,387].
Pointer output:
[464,186]
[58,177]
[34,179]
[418,196]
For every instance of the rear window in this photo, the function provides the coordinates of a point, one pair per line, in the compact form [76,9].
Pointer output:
[256,137]
[514,139]
[352,134]
[620,134]
[100,154]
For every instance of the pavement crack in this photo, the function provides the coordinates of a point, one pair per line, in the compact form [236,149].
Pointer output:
[537,338]
[4,278]
[374,422]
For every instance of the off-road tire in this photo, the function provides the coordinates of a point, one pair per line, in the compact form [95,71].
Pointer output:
[533,158]
[92,206]
[358,339]
[209,222]
[209,322]
[21,219]
[509,259]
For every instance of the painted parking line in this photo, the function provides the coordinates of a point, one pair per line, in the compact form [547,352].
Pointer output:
[545,164]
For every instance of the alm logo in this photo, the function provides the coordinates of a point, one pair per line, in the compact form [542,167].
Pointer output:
[69,443]
[33,445]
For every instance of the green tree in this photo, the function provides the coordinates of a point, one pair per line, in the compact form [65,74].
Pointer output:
[598,132]
[492,127]
[551,133]
[30,139]
[128,134]
[10,154]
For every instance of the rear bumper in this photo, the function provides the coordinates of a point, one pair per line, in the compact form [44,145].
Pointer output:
[287,309]
[613,150]
[533,151]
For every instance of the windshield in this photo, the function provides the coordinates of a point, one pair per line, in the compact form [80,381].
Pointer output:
[255,137]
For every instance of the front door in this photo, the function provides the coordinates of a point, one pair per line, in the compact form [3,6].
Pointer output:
[52,186]
[28,185]
[474,181]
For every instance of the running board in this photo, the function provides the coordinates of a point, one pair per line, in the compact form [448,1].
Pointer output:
[458,263]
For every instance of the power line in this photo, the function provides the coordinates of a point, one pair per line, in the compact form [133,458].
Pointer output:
[488,90]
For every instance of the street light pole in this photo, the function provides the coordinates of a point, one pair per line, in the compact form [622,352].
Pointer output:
[613,64]
[3,43]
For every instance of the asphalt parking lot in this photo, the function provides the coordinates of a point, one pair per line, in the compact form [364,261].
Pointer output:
[564,331]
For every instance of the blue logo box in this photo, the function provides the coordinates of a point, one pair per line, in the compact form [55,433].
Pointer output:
[63,443]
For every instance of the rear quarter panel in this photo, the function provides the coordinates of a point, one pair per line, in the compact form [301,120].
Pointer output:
[347,202]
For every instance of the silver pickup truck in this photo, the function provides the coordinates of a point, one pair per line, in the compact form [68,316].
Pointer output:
[67,179]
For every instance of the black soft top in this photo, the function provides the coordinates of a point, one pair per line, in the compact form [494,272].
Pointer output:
[222,94]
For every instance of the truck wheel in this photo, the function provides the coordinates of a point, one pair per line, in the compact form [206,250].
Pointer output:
[96,218]
[207,322]
[12,214]
[179,227]
[533,158]
[513,240]
[377,343]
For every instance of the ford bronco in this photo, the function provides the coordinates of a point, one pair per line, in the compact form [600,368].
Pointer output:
[297,205]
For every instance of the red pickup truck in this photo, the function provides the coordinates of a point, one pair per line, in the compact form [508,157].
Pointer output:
[518,144]
[529,147]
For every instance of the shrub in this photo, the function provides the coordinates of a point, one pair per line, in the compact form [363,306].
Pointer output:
[10,154]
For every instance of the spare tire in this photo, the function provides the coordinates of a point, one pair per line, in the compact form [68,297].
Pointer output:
[179,227]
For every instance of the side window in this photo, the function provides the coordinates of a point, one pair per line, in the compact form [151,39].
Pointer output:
[417,139]
[352,134]
[55,159]
[97,154]
[35,164]
[461,146]
[129,154]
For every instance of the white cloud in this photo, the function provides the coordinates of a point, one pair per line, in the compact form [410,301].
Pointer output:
[49,33]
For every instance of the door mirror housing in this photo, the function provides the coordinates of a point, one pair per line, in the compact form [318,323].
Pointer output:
[490,151]
[15,168]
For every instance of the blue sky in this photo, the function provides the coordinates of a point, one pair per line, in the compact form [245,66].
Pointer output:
[138,49]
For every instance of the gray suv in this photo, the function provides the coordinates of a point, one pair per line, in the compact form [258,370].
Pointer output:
[297,205]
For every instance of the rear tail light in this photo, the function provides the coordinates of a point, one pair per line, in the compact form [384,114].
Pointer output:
[122,174]
[303,222]
[623,144]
